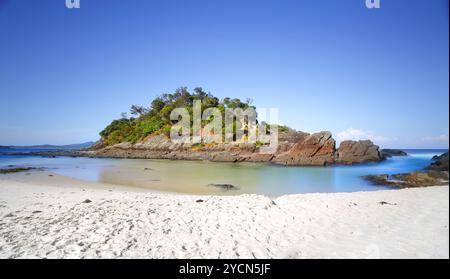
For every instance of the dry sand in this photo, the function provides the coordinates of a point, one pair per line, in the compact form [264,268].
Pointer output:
[44,216]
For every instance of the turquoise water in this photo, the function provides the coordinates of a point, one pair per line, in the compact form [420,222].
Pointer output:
[195,177]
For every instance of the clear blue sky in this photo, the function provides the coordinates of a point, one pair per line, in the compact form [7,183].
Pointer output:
[326,64]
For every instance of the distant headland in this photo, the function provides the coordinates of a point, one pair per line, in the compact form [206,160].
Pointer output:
[77,146]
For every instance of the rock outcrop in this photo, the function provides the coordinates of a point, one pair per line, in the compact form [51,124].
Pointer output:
[313,150]
[440,163]
[292,136]
[433,175]
[388,153]
[351,152]
[294,149]
[407,180]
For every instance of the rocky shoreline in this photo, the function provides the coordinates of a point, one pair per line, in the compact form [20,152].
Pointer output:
[437,173]
[295,149]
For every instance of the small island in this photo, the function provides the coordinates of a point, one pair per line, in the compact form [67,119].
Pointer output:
[145,135]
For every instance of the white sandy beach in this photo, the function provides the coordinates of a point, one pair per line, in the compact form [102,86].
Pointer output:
[44,216]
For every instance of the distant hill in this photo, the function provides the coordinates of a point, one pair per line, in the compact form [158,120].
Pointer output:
[56,147]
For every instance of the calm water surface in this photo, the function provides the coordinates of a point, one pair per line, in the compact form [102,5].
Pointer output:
[251,178]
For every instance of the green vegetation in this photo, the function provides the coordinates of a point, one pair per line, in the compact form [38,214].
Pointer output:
[156,118]
[283,128]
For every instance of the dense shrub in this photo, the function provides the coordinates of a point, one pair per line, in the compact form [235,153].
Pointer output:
[156,118]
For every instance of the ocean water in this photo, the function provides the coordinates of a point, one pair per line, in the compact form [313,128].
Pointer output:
[195,177]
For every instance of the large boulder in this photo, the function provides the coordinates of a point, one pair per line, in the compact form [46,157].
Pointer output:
[351,152]
[313,150]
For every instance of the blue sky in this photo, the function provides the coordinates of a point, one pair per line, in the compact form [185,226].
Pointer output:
[326,64]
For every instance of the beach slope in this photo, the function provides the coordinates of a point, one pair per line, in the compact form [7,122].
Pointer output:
[45,216]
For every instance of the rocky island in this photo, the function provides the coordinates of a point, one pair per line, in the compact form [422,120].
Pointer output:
[145,135]
[295,149]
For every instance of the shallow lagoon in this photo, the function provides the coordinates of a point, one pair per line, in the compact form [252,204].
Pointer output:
[251,178]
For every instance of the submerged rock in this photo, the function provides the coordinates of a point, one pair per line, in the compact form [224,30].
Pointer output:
[224,186]
[386,203]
